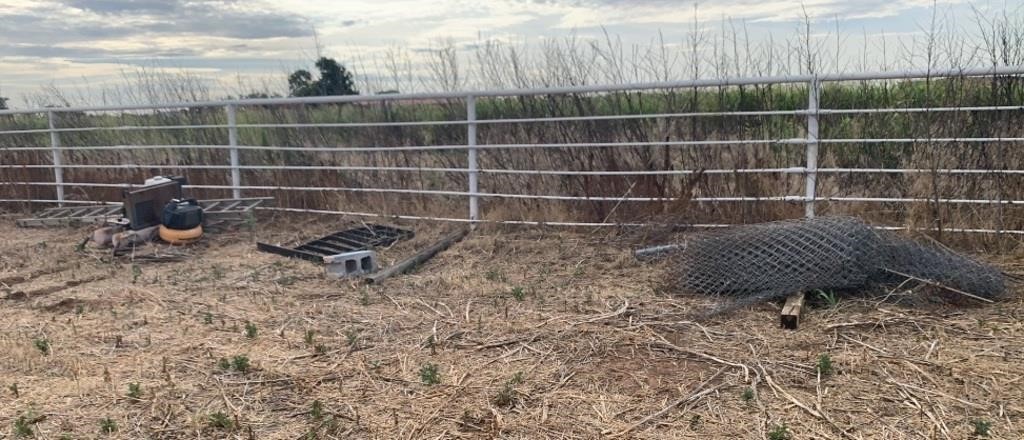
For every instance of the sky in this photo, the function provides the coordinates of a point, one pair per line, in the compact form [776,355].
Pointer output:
[90,49]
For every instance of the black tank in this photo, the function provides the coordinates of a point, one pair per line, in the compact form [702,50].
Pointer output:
[182,214]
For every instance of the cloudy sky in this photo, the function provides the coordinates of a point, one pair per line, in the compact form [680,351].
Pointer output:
[92,44]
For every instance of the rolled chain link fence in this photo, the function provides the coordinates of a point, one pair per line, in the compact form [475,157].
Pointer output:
[770,260]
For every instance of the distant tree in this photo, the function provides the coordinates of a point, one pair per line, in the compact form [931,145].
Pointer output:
[300,83]
[334,80]
[260,95]
[3,103]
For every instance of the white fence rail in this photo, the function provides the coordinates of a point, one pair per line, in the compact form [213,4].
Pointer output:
[472,193]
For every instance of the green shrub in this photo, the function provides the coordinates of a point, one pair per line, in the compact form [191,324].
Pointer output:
[780,432]
[429,374]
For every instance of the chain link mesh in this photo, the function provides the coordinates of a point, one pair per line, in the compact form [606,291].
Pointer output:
[769,260]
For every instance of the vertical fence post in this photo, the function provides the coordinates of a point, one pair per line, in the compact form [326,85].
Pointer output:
[813,102]
[58,170]
[236,176]
[474,199]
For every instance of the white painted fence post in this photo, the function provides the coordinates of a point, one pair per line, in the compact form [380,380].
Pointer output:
[58,159]
[813,103]
[236,176]
[474,199]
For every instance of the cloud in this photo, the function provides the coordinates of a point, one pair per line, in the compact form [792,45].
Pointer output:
[78,38]
[124,6]
[47,51]
[78,20]
[592,13]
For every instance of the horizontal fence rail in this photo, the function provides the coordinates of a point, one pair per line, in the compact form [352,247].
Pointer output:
[79,140]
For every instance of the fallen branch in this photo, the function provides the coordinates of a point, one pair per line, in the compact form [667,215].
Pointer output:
[698,393]
[621,310]
[665,343]
[818,414]
[940,285]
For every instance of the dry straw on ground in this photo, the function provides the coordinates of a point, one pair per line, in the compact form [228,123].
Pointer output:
[537,334]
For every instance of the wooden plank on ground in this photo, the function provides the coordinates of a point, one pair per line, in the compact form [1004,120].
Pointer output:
[420,257]
[791,311]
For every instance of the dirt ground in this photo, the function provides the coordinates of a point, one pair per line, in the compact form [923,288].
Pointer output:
[510,334]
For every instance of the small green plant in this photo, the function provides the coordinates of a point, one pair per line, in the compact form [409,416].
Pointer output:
[43,345]
[23,427]
[250,330]
[364,298]
[516,378]
[780,432]
[494,275]
[108,426]
[14,390]
[829,297]
[286,280]
[217,272]
[224,364]
[507,396]
[219,420]
[518,293]
[429,374]
[136,273]
[695,422]
[240,363]
[208,318]
[316,410]
[824,364]
[352,335]
[748,395]
[320,349]
[981,427]
[134,390]
[310,334]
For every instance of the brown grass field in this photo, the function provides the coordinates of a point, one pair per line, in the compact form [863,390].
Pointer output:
[534,334]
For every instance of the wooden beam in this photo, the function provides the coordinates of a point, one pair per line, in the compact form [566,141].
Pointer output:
[420,257]
[792,310]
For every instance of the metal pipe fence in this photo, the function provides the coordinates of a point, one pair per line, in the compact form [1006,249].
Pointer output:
[815,118]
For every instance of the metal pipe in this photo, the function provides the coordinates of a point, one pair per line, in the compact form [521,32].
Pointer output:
[474,174]
[432,147]
[790,170]
[532,120]
[915,140]
[811,181]
[736,81]
[707,143]
[236,176]
[515,222]
[66,202]
[794,199]
[57,157]
[653,252]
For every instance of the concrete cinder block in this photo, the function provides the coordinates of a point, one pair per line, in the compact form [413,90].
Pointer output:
[350,264]
[123,240]
[104,237]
